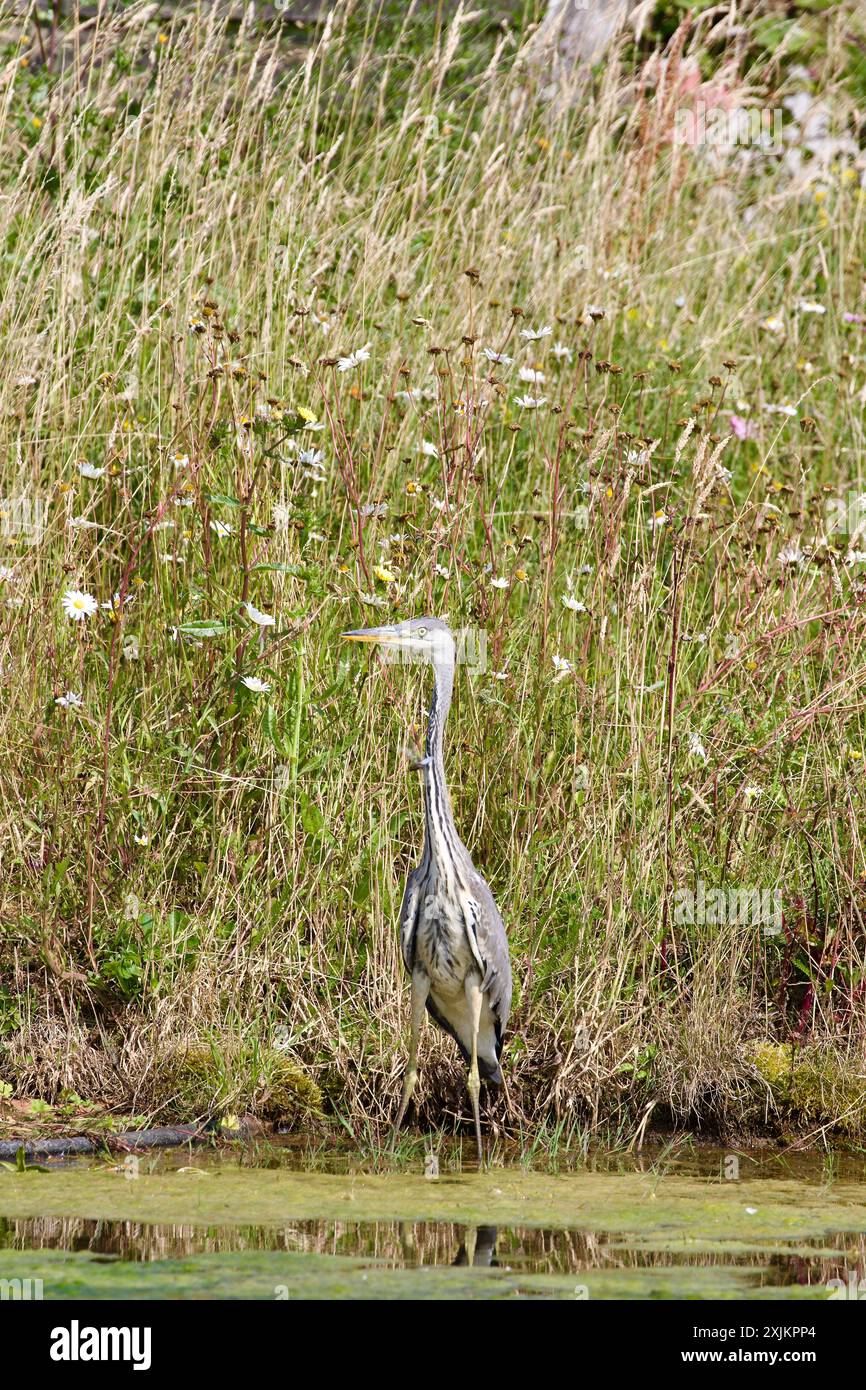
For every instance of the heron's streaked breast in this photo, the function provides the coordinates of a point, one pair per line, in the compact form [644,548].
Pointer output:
[442,947]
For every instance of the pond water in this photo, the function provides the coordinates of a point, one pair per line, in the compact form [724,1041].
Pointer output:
[275,1224]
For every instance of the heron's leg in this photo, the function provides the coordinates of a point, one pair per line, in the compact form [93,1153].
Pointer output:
[420,990]
[475,1000]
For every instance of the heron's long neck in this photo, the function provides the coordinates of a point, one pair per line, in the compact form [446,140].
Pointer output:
[443,842]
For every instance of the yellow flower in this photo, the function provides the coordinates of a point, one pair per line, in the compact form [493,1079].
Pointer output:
[384,576]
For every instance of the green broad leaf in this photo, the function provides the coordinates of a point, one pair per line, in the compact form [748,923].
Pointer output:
[222,499]
[362,890]
[203,627]
[312,819]
[270,729]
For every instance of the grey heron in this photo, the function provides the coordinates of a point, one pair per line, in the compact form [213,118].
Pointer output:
[452,937]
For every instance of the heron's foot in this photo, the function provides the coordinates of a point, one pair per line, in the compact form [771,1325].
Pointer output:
[409,1083]
[474,1088]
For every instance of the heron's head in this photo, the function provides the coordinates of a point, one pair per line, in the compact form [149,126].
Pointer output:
[421,639]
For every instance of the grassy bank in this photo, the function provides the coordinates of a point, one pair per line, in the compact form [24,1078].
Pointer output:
[204,222]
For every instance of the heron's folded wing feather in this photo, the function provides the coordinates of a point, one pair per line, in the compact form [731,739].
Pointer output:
[409,919]
[493,947]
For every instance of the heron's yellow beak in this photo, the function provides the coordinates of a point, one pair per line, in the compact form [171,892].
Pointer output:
[370,634]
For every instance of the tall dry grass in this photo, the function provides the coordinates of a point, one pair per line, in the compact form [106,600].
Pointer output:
[201,884]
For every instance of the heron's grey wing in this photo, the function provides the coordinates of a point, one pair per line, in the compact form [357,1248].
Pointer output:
[409,919]
[492,942]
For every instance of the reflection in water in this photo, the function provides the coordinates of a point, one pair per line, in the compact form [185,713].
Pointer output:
[478,1248]
[402,1245]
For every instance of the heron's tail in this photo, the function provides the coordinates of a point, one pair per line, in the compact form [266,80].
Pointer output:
[490,1071]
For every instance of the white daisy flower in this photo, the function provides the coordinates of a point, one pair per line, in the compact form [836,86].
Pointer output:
[313,458]
[442,571]
[354,359]
[560,351]
[500,583]
[429,449]
[811,306]
[791,555]
[500,357]
[260,619]
[528,374]
[751,792]
[258,687]
[78,605]
[561,665]
[89,470]
[113,603]
[534,335]
[221,529]
[696,748]
[572,604]
[530,402]
[7,574]
[69,700]
[656,520]
[774,324]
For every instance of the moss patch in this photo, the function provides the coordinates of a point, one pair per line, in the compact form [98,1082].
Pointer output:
[205,1079]
[813,1085]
